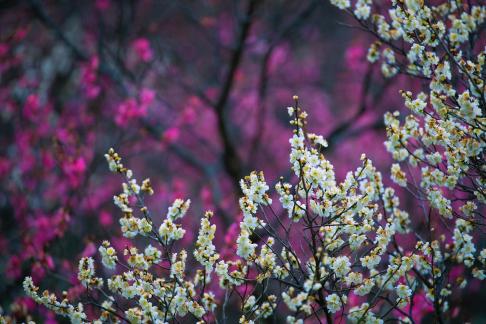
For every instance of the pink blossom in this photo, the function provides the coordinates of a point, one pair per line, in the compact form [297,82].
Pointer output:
[38,272]
[48,161]
[5,166]
[129,110]
[49,261]
[188,116]
[171,134]
[20,33]
[103,4]
[142,48]
[14,267]
[4,48]
[206,197]
[89,250]
[74,170]
[147,97]
[278,57]
[31,106]
[355,57]
[105,218]
[89,78]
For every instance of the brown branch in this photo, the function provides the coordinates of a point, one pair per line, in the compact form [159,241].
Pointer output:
[231,160]
[338,132]
[44,18]
[264,77]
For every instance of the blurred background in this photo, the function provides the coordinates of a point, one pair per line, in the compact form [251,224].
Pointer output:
[192,94]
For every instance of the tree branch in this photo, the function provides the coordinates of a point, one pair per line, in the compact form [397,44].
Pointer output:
[231,160]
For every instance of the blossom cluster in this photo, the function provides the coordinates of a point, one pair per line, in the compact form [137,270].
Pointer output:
[441,142]
[346,246]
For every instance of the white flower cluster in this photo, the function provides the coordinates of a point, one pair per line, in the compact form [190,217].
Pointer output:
[178,209]
[338,238]
[351,229]
[75,313]
[86,273]
[463,245]
[131,226]
[335,302]
[168,230]
[444,136]
[254,189]
[232,278]
[108,255]
[205,252]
